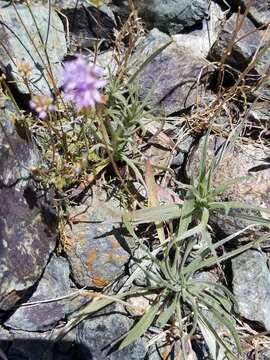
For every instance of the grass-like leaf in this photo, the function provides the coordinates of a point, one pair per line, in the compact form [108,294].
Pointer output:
[141,326]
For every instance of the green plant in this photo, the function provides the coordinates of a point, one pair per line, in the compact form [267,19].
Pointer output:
[77,147]
[173,267]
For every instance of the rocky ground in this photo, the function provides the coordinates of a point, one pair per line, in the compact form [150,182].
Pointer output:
[199,63]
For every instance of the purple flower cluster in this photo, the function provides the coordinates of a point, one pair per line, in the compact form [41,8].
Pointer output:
[81,83]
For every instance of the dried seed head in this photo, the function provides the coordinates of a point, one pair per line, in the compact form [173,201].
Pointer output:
[42,104]
[24,69]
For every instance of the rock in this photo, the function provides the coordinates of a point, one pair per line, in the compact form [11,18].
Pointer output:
[99,336]
[184,147]
[64,4]
[22,50]
[264,354]
[106,60]
[243,160]
[93,243]
[259,11]
[31,350]
[206,34]
[260,107]
[5,340]
[170,82]
[120,8]
[53,284]
[170,17]
[18,155]
[28,237]
[251,286]
[27,220]
[259,104]
[146,47]
[158,156]
[34,345]
[71,4]
[246,43]
[87,26]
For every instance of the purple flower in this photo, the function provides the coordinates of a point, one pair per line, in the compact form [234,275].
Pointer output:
[81,83]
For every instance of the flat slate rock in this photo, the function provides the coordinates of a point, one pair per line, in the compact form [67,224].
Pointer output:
[93,243]
[259,11]
[251,286]
[29,345]
[168,16]
[17,152]
[19,47]
[173,78]
[248,40]
[87,26]
[27,220]
[54,283]
[205,35]
[99,336]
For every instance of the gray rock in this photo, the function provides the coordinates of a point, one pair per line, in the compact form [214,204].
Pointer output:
[17,153]
[251,286]
[259,10]
[205,36]
[244,48]
[63,4]
[260,112]
[106,60]
[170,80]
[31,350]
[148,46]
[88,25]
[259,99]
[19,47]
[169,16]
[53,284]
[184,147]
[120,8]
[27,220]
[71,4]
[93,243]
[242,160]
[38,346]
[264,354]
[99,336]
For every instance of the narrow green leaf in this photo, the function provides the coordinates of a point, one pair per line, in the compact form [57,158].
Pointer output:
[186,213]
[195,318]
[199,263]
[223,319]
[152,197]
[236,205]
[254,219]
[158,213]
[165,315]
[141,327]
[87,310]
[219,350]
[221,288]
